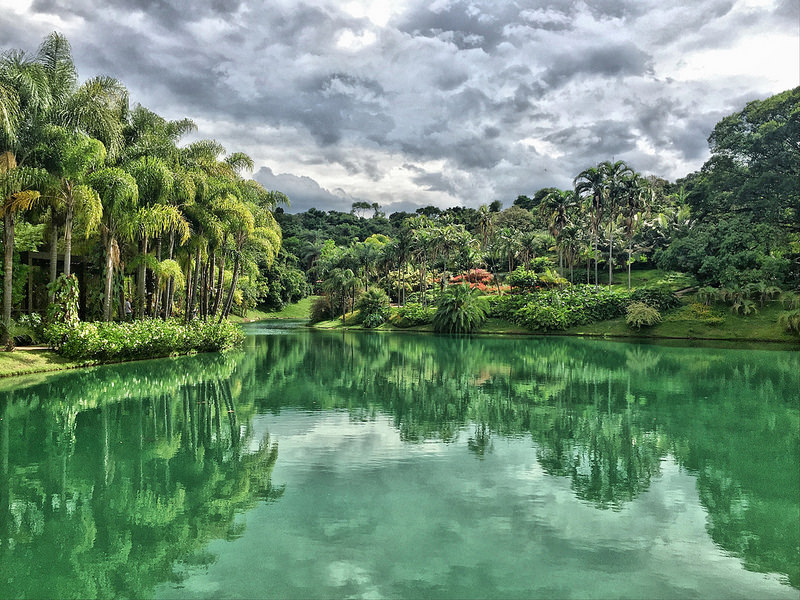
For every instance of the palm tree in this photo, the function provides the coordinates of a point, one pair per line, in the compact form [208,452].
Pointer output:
[636,195]
[17,194]
[615,176]
[590,183]
[555,208]
[120,196]
[75,157]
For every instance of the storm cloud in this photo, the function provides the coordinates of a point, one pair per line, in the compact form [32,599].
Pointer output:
[441,102]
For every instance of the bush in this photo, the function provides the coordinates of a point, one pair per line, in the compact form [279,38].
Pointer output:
[28,329]
[321,310]
[64,308]
[412,314]
[660,298]
[373,307]
[523,280]
[560,309]
[641,315]
[148,338]
[790,319]
[460,310]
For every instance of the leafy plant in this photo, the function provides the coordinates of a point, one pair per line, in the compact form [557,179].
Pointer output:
[373,307]
[460,310]
[523,280]
[640,315]
[64,308]
[660,298]
[321,310]
[412,314]
[790,319]
[146,338]
[707,294]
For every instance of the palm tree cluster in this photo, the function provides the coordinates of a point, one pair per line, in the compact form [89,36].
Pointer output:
[171,221]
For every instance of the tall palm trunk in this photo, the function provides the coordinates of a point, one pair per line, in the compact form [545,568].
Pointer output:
[141,284]
[170,291]
[157,287]
[8,273]
[611,250]
[187,314]
[218,295]
[234,280]
[109,279]
[53,257]
[195,284]
[68,239]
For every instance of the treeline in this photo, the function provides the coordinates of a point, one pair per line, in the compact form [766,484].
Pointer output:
[167,230]
[734,225]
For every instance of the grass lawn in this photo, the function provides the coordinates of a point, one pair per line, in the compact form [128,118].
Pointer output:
[674,280]
[299,310]
[21,362]
[683,323]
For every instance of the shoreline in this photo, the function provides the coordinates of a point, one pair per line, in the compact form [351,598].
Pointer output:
[40,359]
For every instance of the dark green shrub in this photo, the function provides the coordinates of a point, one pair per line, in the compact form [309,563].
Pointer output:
[790,319]
[559,309]
[460,310]
[412,314]
[321,310]
[641,315]
[373,307]
[64,308]
[522,280]
[141,339]
[660,298]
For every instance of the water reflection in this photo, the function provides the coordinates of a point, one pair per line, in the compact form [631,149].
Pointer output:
[110,477]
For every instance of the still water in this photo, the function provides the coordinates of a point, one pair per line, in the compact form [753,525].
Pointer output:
[330,465]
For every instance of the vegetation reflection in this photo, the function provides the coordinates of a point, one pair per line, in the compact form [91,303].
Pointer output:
[108,491]
[603,414]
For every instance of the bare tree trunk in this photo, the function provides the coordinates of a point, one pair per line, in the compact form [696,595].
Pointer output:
[218,294]
[611,251]
[157,284]
[195,284]
[187,315]
[170,291]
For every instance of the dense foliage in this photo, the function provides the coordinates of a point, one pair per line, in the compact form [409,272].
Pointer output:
[461,309]
[639,314]
[147,338]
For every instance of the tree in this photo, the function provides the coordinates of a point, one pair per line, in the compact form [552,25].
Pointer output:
[119,195]
[17,193]
[590,184]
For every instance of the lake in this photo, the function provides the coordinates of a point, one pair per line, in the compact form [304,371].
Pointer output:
[327,464]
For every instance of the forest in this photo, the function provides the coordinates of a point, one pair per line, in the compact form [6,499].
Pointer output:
[159,229]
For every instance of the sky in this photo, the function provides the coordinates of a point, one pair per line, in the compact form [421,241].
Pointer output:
[410,103]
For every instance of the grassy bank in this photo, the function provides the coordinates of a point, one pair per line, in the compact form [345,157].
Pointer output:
[297,311]
[38,360]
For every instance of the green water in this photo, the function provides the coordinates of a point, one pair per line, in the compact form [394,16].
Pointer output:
[323,465]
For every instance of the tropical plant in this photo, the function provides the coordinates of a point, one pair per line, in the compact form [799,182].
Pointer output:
[640,315]
[373,307]
[461,309]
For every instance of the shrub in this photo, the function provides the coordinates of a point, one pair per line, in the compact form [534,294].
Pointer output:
[321,310]
[28,329]
[64,308]
[790,319]
[412,314]
[523,280]
[147,338]
[641,315]
[460,310]
[373,307]
[660,298]
[559,309]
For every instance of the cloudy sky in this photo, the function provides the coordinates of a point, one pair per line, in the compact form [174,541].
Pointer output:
[444,102]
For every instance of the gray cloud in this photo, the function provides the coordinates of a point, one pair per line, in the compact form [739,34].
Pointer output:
[480,100]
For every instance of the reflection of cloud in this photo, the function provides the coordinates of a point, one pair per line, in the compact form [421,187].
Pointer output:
[365,514]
